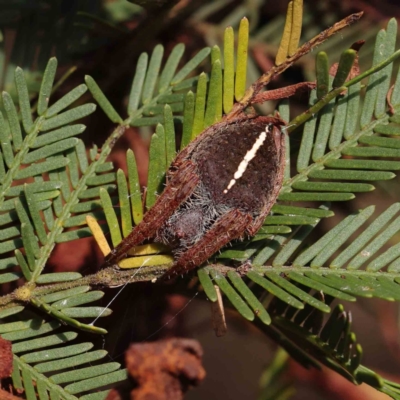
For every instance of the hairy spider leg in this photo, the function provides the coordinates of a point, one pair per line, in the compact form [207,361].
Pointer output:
[228,227]
[282,93]
[177,191]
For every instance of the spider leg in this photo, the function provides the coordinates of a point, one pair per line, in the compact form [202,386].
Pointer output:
[228,227]
[177,191]
[283,93]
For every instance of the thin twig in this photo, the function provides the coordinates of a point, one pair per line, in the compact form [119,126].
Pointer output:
[265,79]
[111,277]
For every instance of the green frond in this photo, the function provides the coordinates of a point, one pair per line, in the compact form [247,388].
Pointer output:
[63,187]
[36,370]
[147,97]
[48,146]
[41,348]
[154,87]
[298,324]
[287,269]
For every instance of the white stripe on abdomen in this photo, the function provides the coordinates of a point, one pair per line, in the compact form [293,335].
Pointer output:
[247,158]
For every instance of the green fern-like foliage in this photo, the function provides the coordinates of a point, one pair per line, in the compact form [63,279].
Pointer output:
[50,186]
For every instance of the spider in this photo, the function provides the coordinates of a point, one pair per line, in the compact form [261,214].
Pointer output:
[220,187]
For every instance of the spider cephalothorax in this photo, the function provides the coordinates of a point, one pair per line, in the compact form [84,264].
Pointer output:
[220,187]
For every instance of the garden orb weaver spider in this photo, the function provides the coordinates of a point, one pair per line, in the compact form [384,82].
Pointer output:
[220,187]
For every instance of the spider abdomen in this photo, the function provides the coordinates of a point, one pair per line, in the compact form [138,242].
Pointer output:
[239,163]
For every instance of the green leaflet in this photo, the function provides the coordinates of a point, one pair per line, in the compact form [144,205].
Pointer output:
[198,120]
[110,217]
[85,373]
[123,194]
[47,85]
[170,67]
[157,166]
[248,295]
[23,98]
[94,383]
[102,100]
[345,64]
[229,72]
[47,355]
[137,84]
[13,121]
[78,299]
[322,74]
[84,358]
[213,111]
[49,298]
[66,101]
[241,62]
[189,67]
[135,195]
[170,142]
[68,117]
[152,74]
[207,284]
[232,295]
[58,277]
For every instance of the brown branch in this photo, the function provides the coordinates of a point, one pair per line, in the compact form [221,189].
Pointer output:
[265,79]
